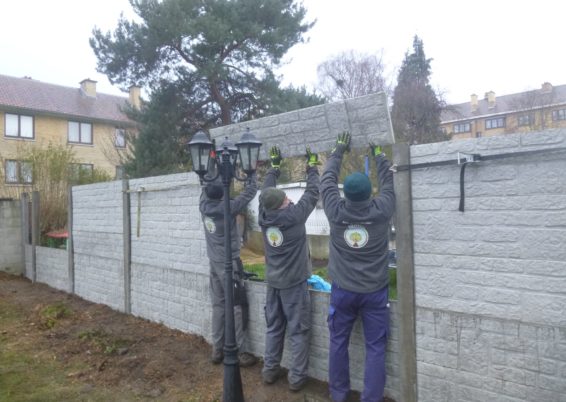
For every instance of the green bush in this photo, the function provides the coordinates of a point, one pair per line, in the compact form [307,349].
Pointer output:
[52,174]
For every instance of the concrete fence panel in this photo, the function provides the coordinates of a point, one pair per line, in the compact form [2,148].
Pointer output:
[491,280]
[11,253]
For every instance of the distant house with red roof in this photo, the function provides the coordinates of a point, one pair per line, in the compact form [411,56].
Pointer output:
[35,113]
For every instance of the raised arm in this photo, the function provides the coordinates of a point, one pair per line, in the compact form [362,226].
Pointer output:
[273,173]
[310,197]
[385,201]
[329,182]
[239,203]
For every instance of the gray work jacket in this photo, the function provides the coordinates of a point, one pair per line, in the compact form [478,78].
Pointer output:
[358,249]
[212,213]
[287,252]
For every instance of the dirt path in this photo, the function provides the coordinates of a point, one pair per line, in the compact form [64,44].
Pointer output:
[59,347]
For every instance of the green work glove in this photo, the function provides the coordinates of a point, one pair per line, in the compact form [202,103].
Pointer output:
[343,143]
[375,149]
[312,158]
[276,158]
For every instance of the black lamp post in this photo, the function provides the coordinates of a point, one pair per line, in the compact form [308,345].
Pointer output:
[225,160]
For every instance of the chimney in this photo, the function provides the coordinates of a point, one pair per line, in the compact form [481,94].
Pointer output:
[88,87]
[490,99]
[474,103]
[546,88]
[135,99]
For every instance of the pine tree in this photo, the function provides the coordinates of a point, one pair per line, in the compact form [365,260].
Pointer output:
[212,60]
[416,106]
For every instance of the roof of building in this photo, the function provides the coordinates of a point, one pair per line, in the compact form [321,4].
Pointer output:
[527,100]
[40,97]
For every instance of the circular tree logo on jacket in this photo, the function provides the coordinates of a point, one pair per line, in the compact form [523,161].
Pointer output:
[209,224]
[356,236]
[274,236]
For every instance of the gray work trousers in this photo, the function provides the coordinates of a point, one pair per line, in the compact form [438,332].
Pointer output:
[288,309]
[217,285]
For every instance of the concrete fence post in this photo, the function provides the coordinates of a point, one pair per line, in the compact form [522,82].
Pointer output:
[405,275]
[70,247]
[24,205]
[34,233]
[127,239]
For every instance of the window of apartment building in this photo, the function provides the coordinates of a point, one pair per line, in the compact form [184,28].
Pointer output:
[80,133]
[18,126]
[498,122]
[18,172]
[81,171]
[525,119]
[559,114]
[120,138]
[462,128]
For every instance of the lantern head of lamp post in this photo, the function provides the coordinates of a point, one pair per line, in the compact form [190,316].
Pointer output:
[248,147]
[229,146]
[199,148]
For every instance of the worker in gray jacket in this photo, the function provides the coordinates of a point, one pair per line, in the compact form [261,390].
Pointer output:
[288,266]
[212,212]
[358,267]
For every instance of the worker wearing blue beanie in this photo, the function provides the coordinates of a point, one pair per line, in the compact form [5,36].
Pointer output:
[357,187]
[358,266]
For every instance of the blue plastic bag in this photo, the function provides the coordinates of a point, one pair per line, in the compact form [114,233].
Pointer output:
[317,283]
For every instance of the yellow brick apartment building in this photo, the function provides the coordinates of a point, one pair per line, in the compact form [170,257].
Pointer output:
[35,113]
[533,110]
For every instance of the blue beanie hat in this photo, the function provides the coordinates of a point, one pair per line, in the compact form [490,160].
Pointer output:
[357,187]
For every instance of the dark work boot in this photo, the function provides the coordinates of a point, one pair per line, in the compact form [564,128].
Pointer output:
[272,376]
[247,359]
[217,356]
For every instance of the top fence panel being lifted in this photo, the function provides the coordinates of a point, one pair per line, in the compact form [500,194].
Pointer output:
[367,118]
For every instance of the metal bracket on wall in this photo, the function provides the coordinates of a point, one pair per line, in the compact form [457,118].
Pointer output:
[468,158]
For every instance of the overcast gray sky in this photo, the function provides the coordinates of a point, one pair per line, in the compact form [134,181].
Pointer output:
[476,46]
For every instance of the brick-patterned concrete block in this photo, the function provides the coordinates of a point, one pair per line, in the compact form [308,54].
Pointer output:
[53,267]
[11,254]
[366,118]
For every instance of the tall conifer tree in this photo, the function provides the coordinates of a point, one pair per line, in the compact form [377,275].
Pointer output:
[416,106]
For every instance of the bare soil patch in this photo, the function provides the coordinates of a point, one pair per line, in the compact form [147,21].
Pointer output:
[91,352]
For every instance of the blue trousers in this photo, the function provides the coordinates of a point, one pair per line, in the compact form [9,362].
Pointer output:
[344,308]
